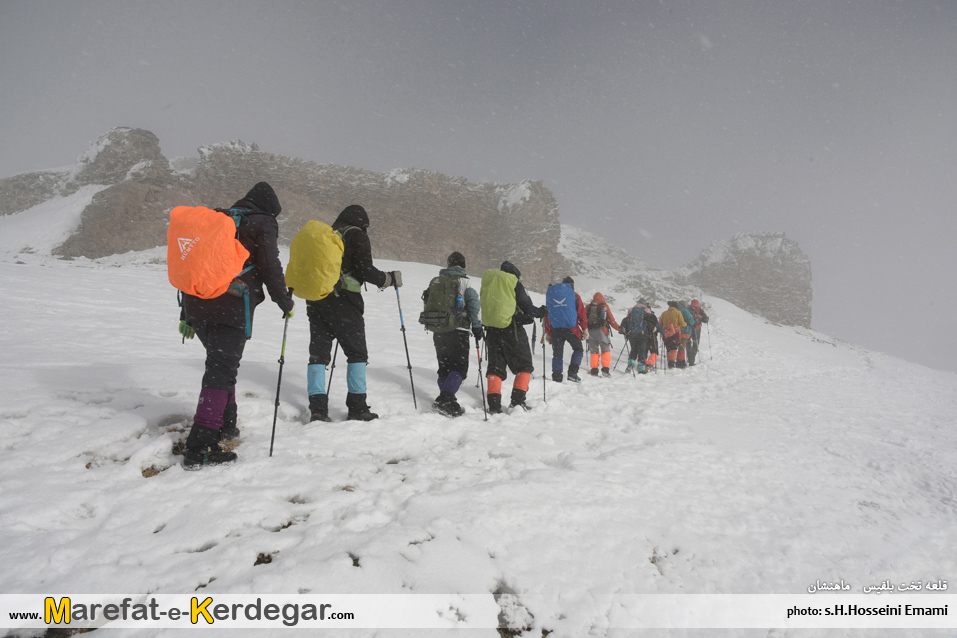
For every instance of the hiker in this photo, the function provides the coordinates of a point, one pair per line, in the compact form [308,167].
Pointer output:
[700,317]
[640,327]
[221,324]
[565,322]
[685,347]
[672,321]
[339,316]
[506,309]
[457,306]
[599,320]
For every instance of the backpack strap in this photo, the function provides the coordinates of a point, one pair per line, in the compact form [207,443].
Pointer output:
[239,288]
[346,280]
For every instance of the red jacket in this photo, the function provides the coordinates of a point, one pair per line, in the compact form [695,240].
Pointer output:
[609,318]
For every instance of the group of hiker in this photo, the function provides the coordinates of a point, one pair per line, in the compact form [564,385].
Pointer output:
[329,267]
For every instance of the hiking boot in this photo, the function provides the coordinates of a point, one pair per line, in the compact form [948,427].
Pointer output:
[202,448]
[494,403]
[358,408]
[629,369]
[557,377]
[365,415]
[518,400]
[605,372]
[573,376]
[450,410]
[594,372]
[194,459]
[446,405]
[319,408]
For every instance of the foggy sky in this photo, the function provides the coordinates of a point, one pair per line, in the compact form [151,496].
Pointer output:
[659,126]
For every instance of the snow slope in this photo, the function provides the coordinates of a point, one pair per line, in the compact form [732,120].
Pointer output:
[784,458]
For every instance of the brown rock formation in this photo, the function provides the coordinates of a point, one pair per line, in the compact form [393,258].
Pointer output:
[416,215]
[764,273]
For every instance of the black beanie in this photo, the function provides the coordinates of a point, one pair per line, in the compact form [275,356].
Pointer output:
[456,260]
[569,280]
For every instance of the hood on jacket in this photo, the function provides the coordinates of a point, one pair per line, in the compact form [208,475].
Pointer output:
[509,267]
[261,197]
[695,303]
[353,215]
[598,298]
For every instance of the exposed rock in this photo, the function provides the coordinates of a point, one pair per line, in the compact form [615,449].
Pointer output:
[26,190]
[764,273]
[416,215]
[123,153]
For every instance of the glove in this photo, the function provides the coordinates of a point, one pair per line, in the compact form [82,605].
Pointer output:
[478,334]
[585,334]
[543,310]
[186,330]
[548,338]
[393,278]
[292,311]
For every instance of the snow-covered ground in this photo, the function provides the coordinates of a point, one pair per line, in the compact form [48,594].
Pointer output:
[783,459]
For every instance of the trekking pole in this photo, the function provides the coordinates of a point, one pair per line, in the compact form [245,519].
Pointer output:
[332,368]
[478,353]
[621,353]
[404,341]
[485,348]
[282,360]
[544,399]
[710,356]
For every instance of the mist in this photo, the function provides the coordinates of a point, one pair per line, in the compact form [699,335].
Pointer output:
[659,126]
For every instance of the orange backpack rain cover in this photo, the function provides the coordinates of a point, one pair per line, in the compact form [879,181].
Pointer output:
[202,254]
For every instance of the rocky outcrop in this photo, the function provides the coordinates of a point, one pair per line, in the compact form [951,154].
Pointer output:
[417,215]
[764,273]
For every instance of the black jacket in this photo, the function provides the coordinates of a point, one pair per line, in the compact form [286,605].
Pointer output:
[258,232]
[357,257]
[525,310]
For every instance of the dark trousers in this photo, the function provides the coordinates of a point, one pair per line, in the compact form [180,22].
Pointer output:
[559,337]
[452,351]
[336,318]
[224,349]
[693,345]
[508,348]
[637,347]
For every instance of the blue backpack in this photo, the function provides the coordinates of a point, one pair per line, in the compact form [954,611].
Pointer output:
[562,307]
[635,324]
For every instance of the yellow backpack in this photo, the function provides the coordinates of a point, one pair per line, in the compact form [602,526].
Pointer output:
[315,261]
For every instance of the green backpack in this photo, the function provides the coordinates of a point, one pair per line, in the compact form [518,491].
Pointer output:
[498,298]
[444,305]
